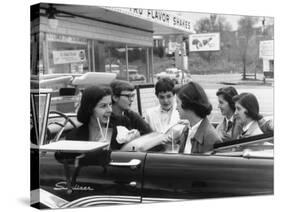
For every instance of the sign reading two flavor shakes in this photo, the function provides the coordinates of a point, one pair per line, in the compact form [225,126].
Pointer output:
[158,16]
[70,56]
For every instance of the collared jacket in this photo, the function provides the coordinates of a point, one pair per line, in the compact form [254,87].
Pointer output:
[264,124]
[232,133]
[253,130]
[204,139]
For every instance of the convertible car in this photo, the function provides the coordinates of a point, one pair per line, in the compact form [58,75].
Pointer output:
[66,174]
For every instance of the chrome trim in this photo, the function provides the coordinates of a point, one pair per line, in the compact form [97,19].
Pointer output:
[132,163]
[46,198]
[154,200]
[102,199]
[52,201]
[45,117]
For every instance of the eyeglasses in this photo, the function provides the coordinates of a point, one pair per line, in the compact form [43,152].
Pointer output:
[129,96]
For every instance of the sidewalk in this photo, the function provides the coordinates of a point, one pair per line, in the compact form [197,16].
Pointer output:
[216,80]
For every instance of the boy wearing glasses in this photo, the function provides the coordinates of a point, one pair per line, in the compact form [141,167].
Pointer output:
[122,98]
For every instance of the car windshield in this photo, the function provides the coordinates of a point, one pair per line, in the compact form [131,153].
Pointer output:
[260,146]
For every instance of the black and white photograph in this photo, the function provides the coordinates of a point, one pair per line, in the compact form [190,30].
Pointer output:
[136,105]
[140,105]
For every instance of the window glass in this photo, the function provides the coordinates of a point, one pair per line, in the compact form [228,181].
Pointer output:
[115,60]
[137,69]
[36,54]
[67,54]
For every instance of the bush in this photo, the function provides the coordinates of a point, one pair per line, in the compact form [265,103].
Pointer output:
[197,65]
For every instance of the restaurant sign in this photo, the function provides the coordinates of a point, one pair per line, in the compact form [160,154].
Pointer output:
[158,16]
[70,56]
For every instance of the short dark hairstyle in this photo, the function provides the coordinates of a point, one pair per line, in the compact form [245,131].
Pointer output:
[90,98]
[164,85]
[227,94]
[193,97]
[250,103]
[117,86]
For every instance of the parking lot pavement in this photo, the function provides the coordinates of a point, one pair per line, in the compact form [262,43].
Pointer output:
[219,80]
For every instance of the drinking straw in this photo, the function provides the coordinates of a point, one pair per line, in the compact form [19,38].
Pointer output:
[106,129]
[98,120]
[172,140]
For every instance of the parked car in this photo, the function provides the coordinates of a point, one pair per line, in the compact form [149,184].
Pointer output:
[135,76]
[238,168]
[113,68]
[175,74]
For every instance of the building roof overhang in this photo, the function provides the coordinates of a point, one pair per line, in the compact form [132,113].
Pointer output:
[158,22]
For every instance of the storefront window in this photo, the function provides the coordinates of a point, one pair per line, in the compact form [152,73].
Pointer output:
[134,68]
[138,64]
[115,60]
[36,57]
[67,54]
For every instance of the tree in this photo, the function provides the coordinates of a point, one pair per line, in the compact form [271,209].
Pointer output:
[214,23]
[206,25]
[222,25]
[246,31]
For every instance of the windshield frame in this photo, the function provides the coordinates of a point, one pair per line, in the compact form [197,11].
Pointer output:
[245,146]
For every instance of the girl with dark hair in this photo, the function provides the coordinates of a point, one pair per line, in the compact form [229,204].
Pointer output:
[193,105]
[90,98]
[95,112]
[229,128]
[247,111]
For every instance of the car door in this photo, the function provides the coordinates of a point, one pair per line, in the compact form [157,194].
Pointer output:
[118,181]
[183,176]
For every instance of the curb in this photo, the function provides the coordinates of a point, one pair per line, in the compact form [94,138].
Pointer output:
[247,83]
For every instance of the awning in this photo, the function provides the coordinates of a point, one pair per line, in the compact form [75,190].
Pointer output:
[158,22]
[163,22]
